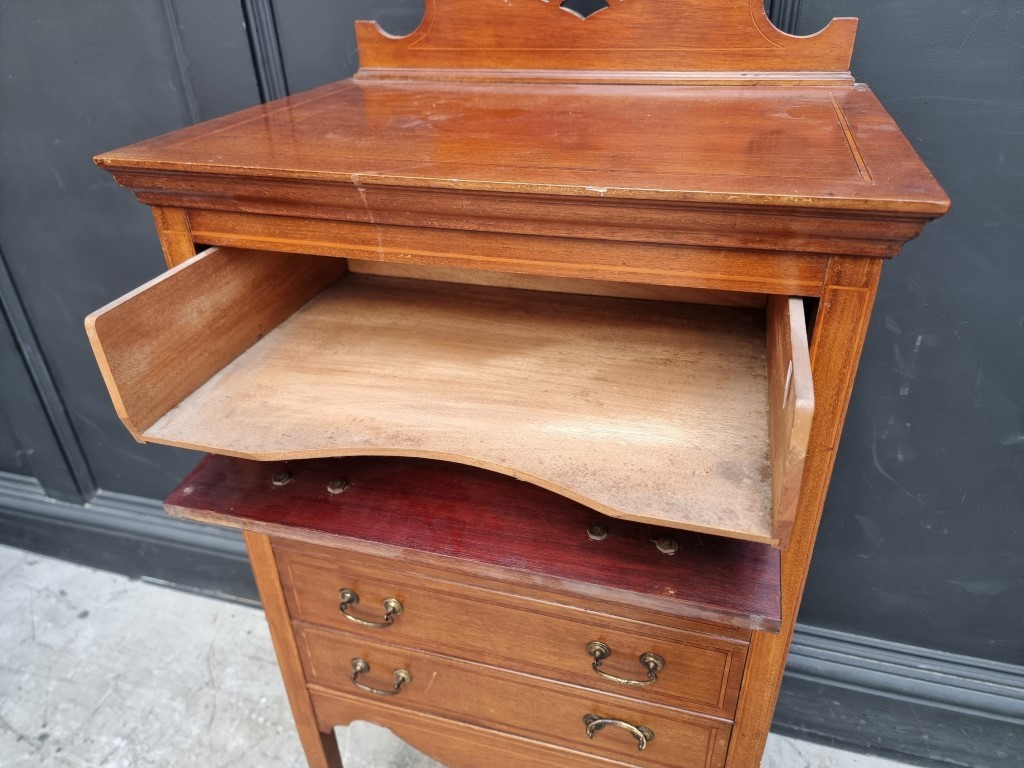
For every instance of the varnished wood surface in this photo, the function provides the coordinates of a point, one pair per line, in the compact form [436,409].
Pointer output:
[320,746]
[584,257]
[556,285]
[545,595]
[840,329]
[401,223]
[520,704]
[492,38]
[175,233]
[791,397]
[482,522]
[702,672]
[457,745]
[648,411]
[654,143]
[459,148]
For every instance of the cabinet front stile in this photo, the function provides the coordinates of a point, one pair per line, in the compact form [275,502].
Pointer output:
[839,333]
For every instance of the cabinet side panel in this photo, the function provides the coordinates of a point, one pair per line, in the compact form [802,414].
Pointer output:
[842,324]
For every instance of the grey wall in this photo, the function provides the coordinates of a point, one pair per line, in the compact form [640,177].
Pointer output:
[78,79]
[922,539]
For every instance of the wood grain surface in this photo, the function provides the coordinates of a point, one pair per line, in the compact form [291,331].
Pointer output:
[840,329]
[791,395]
[395,223]
[478,522]
[670,144]
[524,705]
[158,343]
[705,266]
[320,746]
[488,37]
[175,233]
[702,672]
[643,410]
[455,744]
[682,143]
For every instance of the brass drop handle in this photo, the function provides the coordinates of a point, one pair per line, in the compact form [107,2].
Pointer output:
[348,597]
[652,661]
[641,733]
[359,666]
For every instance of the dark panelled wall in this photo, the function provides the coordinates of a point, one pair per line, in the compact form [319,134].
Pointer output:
[77,79]
[921,552]
[925,523]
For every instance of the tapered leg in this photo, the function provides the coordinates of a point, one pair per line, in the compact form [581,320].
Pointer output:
[321,748]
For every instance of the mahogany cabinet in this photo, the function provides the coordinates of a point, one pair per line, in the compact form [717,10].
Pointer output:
[625,252]
[472,603]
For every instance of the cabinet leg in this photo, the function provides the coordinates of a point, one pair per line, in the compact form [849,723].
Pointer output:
[321,747]
[330,750]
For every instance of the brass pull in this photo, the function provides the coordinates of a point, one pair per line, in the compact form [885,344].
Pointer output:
[359,666]
[641,733]
[348,597]
[652,661]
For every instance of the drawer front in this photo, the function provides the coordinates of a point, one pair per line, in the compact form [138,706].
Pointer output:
[452,743]
[524,705]
[699,672]
[309,361]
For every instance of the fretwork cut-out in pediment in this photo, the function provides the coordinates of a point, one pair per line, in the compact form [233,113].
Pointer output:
[605,41]
[583,8]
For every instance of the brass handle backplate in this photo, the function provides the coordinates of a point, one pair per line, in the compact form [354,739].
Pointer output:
[652,661]
[359,666]
[348,598]
[641,733]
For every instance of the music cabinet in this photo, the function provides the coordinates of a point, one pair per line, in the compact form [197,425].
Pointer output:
[524,356]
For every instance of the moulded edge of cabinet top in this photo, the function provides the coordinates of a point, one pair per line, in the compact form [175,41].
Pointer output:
[815,147]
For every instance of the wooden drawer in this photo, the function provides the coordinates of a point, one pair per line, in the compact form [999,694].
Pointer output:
[701,672]
[449,741]
[665,412]
[515,703]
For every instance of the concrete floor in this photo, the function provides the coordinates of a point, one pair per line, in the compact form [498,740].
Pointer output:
[98,671]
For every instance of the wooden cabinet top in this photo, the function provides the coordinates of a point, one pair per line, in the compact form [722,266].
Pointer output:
[659,103]
[832,148]
[614,144]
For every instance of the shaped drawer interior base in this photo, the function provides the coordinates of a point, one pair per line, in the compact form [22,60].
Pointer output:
[652,411]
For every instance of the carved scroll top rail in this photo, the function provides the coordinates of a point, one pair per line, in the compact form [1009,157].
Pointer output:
[604,40]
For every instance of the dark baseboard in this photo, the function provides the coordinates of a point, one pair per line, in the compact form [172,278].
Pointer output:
[125,534]
[911,704]
[854,692]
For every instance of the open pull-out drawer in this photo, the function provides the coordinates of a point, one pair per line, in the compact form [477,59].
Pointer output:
[681,415]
